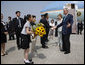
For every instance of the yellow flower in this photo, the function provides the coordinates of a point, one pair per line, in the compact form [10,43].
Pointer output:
[36,32]
[34,21]
[41,27]
[43,31]
[41,24]
[40,34]
[40,30]
[37,29]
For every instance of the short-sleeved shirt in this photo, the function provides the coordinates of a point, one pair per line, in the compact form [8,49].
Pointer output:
[52,24]
[27,25]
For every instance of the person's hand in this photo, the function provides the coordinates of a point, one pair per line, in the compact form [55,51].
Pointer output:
[68,25]
[54,27]
[5,33]
[31,32]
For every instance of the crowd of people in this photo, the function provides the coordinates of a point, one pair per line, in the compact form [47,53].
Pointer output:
[22,29]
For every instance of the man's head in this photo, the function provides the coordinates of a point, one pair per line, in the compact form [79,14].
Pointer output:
[18,13]
[65,11]
[42,16]
[1,16]
[46,15]
[33,18]
[9,18]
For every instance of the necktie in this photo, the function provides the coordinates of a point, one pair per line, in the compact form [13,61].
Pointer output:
[64,17]
[19,22]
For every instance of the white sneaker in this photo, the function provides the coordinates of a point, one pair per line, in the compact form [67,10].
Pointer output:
[26,61]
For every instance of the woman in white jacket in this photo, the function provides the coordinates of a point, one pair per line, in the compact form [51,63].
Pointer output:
[60,32]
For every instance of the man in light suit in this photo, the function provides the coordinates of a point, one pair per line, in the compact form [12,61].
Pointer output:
[66,30]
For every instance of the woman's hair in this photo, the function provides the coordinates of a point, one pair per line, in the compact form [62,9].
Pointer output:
[25,18]
[28,16]
[33,16]
[60,15]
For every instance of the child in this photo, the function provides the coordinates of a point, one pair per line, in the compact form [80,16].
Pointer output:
[52,31]
[25,34]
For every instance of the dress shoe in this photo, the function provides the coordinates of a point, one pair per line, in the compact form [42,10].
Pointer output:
[14,39]
[45,47]
[46,40]
[62,50]
[9,39]
[66,52]
[19,48]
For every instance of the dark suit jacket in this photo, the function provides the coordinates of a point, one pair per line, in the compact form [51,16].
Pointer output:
[10,27]
[46,23]
[65,29]
[32,23]
[16,25]
[2,31]
[55,22]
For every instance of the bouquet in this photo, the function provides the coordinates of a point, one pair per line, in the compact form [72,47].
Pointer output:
[38,29]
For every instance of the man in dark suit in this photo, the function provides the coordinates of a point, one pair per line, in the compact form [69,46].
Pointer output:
[44,39]
[56,31]
[18,25]
[47,26]
[10,29]
[42,17]
[66,30]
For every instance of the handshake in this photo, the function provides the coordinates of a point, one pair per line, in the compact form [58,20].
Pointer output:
[54,27]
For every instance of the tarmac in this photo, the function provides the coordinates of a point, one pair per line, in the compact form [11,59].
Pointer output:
[52,55]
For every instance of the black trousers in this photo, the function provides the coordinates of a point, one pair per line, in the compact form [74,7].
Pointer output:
[47,32]
[43,40]
[56,32]
[11,36]
[66,42]
[18,38]
[79,30]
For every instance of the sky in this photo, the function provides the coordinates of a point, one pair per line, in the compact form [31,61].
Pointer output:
[58,5]
[8,8]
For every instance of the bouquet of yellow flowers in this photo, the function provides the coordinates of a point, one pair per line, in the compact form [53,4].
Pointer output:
[38,29]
